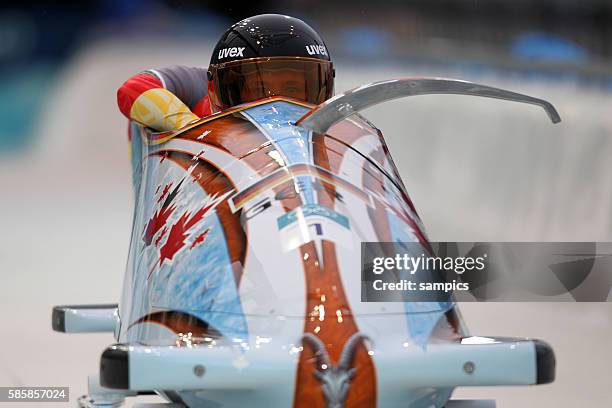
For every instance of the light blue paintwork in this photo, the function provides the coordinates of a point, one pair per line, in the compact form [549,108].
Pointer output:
[312,209]
[276,120]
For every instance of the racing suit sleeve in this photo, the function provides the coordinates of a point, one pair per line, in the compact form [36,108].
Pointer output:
[164,99]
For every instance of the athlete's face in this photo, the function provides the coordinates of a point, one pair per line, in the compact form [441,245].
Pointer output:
[282,82]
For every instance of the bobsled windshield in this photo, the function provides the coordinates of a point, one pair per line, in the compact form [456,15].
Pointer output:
[306,79]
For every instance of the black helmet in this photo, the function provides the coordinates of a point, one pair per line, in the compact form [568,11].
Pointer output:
[269,55]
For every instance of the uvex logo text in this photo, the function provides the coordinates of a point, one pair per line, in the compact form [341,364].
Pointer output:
[231,52]
[316,49]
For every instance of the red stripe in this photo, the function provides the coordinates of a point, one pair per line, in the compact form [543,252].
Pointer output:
[203,108]
[133,88]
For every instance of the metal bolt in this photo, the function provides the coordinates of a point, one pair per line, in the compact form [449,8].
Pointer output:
[469,367]
[199,370]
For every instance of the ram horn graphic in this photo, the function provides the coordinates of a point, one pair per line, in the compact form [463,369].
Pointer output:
[335,378]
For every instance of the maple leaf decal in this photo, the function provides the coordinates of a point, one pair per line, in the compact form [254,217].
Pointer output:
[180,232]
[159,219]
[199,239]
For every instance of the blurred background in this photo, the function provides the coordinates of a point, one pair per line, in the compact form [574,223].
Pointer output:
[477,169]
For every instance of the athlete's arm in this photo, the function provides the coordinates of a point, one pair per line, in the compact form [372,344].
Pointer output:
[165,99]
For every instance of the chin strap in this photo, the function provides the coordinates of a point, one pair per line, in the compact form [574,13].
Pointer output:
[341,106]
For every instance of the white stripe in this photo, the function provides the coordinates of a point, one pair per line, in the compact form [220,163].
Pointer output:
[351,169]
[158,75]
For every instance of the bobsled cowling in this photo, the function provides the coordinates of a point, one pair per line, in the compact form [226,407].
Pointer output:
[262,190]
[244,269]
[247,234]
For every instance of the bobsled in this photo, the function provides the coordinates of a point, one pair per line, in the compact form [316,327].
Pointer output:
[243,283]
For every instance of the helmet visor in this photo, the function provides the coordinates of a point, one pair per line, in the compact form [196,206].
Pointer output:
[306,79]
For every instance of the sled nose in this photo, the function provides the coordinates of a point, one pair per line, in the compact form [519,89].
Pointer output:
[475,361]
